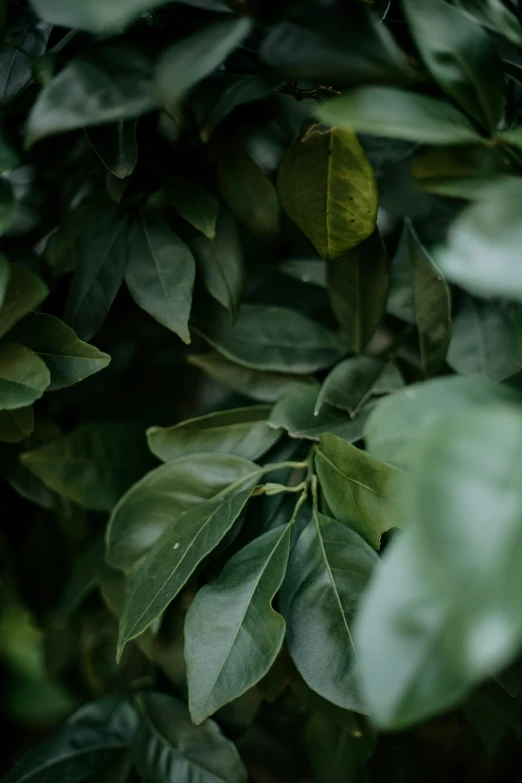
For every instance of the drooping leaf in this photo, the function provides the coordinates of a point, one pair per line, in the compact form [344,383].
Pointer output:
[243,431]
[360,490]
[83,746]
[160,273]
[188,61]
[338,751]
[94,464]
[461,171]
[177,553]
[461,58]
[169,747]
[485,339]
[353,381]
[23,376]
[196,205]
[396,114]
[327,186]
[232,632]
[220,263]
[295,413]
[270,338]
[330,565]
[69,359]
[23,291]
[261,386]
[357,287]
[116,146]
[16,425]
[26,39]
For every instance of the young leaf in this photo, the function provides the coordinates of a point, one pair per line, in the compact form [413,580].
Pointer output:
[109,83]
[16,425]
[395,114]
[358,488]
[232,632]
[23,292]
[116,146]
[194,203]
[354,380]
[243,431]
[220,263]
[188,61]
[23,376]
[270,338]
[161,497]
[168,746]
[357,287]
[261,386]
[461,58]
[160,273]
[94,464]
[177,553]
[327,186]
[330,566]
[69,359]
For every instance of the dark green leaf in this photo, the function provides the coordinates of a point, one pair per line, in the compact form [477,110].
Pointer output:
[177,553]
[338,752]
[66,247]
[26,39]
[358,287]
[161,497]
[23,292]
[461,58]
[160,273]
[327,186]
[307,271]
[23,376]
[330,565]
[353,381]
[107,84]
[69,359]
[360,490]
[7,206]
[85,576]
[94,464]
[495,15]
[461,172]
[116,146]
[232,632]
[270,338]
[194,203]
[243,432]
[169,747]
[382,111]
[16,425]
[485,339]
[262,386]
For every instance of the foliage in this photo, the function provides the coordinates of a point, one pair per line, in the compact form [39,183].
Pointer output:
[260,307]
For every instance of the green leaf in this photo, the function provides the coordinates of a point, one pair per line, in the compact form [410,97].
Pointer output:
[16,425]
[245,189]
[485,339]
[327,186]
[461,58]
[25,40]
[480,253]
[461,171]
[220,263]
[243,432]
[65,248]
[96,16]
[195,205]
[23,376]
[353,381]
[23,292]
[102,255]
[94,464]
[330,565]
[400,421]
[169,747]
[360,490]
[494,15]
[177,553]
[161,497]
[82,746]
[232,632]
[270,338]
[307,271]
[160,273]
[395,114]
[116,146]
[7,206]
[338,752]
[295,413]
[358,287]
[69,359]
[262,386]
[189,60]
[113,82]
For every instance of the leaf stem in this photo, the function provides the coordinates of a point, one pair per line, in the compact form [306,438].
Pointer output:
[64,41]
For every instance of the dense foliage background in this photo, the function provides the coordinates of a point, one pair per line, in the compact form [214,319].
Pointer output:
[275,533]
